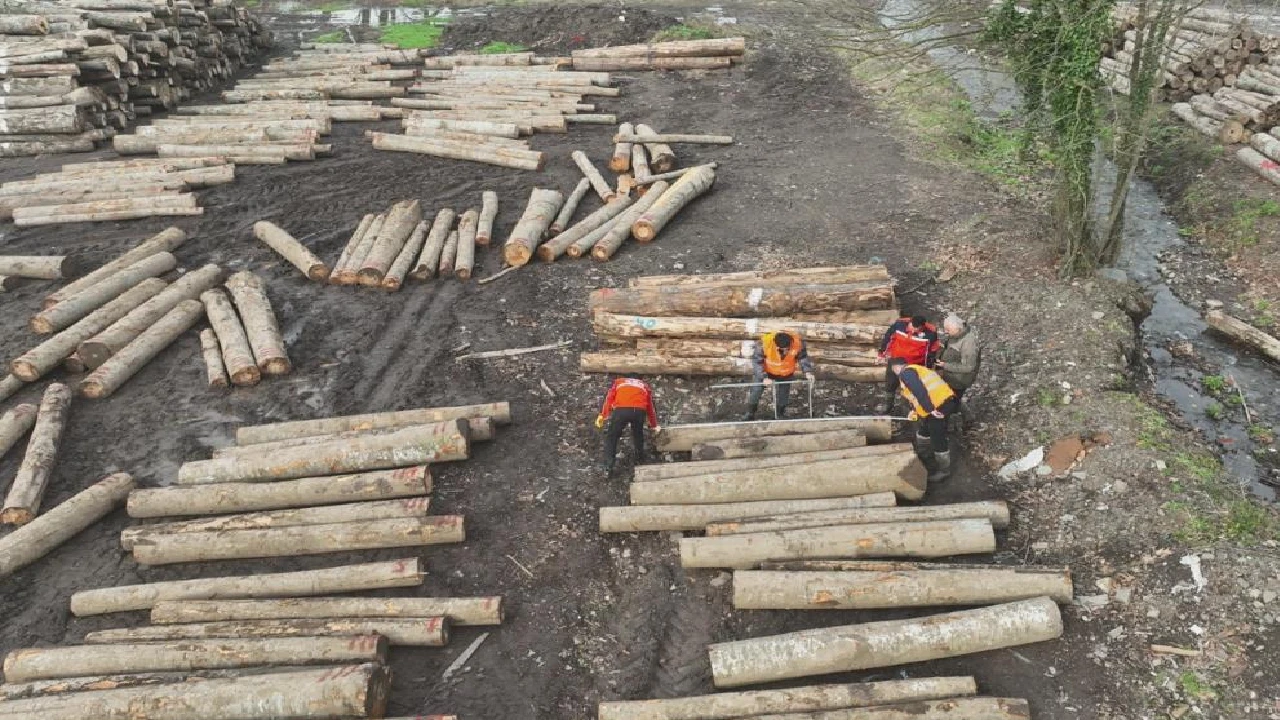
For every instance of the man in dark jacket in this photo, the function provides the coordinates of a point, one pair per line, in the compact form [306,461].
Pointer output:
[961,357]
[913,339]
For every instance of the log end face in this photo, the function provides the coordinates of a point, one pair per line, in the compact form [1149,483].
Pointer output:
[90,387]
[41,326]
[93,354]
[16,516]
[516,255]
[247,376]
[24,370]
[318,273]
[274,366]
[915,478]
[379,691]
[643,230]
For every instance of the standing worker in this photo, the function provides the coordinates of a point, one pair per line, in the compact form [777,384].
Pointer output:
[913,339]
[960,359]
[776,358]
[629,402]
[931,400]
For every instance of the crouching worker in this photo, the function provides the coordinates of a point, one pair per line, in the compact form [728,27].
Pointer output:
[628,404]
[931,400]
[777,357]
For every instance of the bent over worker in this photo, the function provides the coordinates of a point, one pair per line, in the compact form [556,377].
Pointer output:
[913,339]
[931,400]
[776,358]
[628,404]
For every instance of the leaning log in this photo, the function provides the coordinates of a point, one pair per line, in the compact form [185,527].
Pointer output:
[348,274]
[532,226]
[778,445]
[39,267]
[164,241]
[211,351]
[570,207]
[656,518]
[429,261]
[254,434]
[40,536]
[32,479]
[237,356]
[86,301]
[620,230]
[290,249]
[460,610]
[592,175]
[448,254]
[260,325]
[884,644]
[419,632]
[303,492]
[15,423]
[772,590]
[125,364]
[558,245]
[344,578]
[488,212]
[995,511]
[682,438]
[403,217]
[755,278]
[465,254]
[408,256]
[630,326]
[1244,334]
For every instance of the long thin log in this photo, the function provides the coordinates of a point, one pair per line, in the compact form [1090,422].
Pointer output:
[28,488]
[640,161]
[778,445]
[1244,333]
[356,236]
[429,261]
[460,611]
[774,590]
[883,644]
[532,226]
[401,220]
[104,210]
[290,249]
[558,245]
[40,536]
[448,254]
[165,241]
[620,230]
[629,362]
[428,632]
[489,154]
[488,212]
[592,175]
[237,356]
[663,471]
[672,175]
[661,156]
[260,325]
[995,511]
[349,274]
[682,438]
[674,48]
[40,267]
[584,244]
[408,256]
[465,254]
[95,296]
[656,518]
[125,364]
[627,64]
[631,326]
[570,207]
[15,423]
[254,434]
[838,275]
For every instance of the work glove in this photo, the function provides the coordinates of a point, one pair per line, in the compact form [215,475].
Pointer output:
[912,416]
[938,414]
[657,429]
[599,422]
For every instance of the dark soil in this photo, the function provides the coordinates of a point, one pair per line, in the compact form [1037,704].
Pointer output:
[556,29]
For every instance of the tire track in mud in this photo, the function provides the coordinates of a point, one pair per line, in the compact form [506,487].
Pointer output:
[407,346]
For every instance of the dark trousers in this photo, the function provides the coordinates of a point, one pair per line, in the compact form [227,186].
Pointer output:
[619,419]
[891,382]
[784,395]
[935,428]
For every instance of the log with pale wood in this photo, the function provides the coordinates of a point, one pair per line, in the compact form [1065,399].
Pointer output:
[344,258]
[668,138]
[249,293]
[500,412]
[592,175]
[32,479]
[407,572]
[682,438]
[448,254]
[834,275]
[464,259]
[532,226]
[211,352]
[884,644]
[741,301]
[104,210]
[303,492]
[402,218]
[359,246]
[778,445]
[109,376]
[166,240]
[629,362]
[627,64]
[290,249]
[656,518]
[641,183]
[681,193]
[634,326]
[661,157]
[419,632]
[570,207]
[459,610]
[662,471]
[870,590]
[237,355]
[71,309]
[621,160]
[9,384]
[995,511]
[620,229]
[675,48]
[63,522]
[433,247]
[558,245]
[395,276]
[39,267]
[438,147]
[15,423]
[488,212]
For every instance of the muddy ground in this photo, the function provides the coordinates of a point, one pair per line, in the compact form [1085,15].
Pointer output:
[819,176]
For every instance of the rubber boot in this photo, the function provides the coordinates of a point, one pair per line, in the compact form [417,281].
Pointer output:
[922,448]
[942,467]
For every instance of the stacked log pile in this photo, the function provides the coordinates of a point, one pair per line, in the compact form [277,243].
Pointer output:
[709,324]
[244,342]
[712,54]
[73,73]
[367,72]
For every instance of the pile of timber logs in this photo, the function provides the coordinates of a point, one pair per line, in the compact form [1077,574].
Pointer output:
[713,54]
[387,247]
[73,73]
[361,72]
[241,347]
[709,324]
[1263,154]
[113,190]
[270,137]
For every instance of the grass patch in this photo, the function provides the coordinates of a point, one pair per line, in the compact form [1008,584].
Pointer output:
[501,48]
[1225,511]
[1213,384]
[334,6]
[1195,688]
[1242,224]
[335,36]
[687,31]
[423,34]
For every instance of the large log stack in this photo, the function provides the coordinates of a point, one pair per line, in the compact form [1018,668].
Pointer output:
[712,54]
[74,73]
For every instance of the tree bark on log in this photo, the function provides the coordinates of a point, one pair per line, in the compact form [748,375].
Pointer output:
[105,210]
[39,360]
[348,274]
[773,590]
[632,326]
[570,207]
[621,160]
[407,572]
[419,632]
[211,351]
[810,699]
[664,139]
[996,511]
[91,298]
[682,438]
[40,267]
[640,161]
[9,384]
[1244,333]
[46,147]
[839,275]
[532,226]
[14,424]
[585,243]
[97,349]
[125,364]
[260,325]
[448,254]
[778,445]
[167,240]
[405,260]
[58,662]
[290,249]
[488,212]
[357,691]
[489,154]
[441,442]
[620,229]
[741,301]
[884,644]
[57,119]
[429,260]
[657,518]
[29,484]
[689,186]
[592,175]
[661,157]
[478,430]
[298,540]
[479,127]
[624,362]
[461,611]
[675,48]
[1206,126]
[401,220]
[24,25]
[465,255]
[344,260]
[626,64]
[304,492]
[37,538]
[273,432]
[558,245]
[672,175]
[237,356]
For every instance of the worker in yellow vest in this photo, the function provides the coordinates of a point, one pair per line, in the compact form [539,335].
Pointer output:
[931,400]
[777,356]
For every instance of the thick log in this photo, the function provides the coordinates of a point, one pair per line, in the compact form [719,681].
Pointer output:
[488,212]
[584,244]
[129,360]
[254,434]
[459,611]
[237,356]
[40,267]
[97,349]
[46,147]
[778,445]
[490,154]
[741,301]
[1206,126]
[478,429]
[358,691]
[298,540]
[627,362]
[883,644]
[9,384]
[244,154]
[40,536]
[403,217]
[1244,334]
[429,261]
[211,351]
[626,64]
[682,438]
[57,662]
[344,578]
[405,259]
[570,207]
[428,632]
[37,86]
[592,175]
[621,160]
[838,275]
[532,226]
[440,442]
[620,229]
[775,590]
[655,518]
[104,210]
[448,254]
[15,423]
[303,492]
[689,186]
[290,249]
[260,325]
[56,119]
[631,326]
[465,254]
[996,511]
[809,699]
[479,127]
[29,484]
[349,274]
[661,156]
[86,301]
[24,25]
[558,245]
[36,362]
[675,48]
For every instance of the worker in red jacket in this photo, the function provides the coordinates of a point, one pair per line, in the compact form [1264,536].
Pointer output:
[629,403]
[913,339]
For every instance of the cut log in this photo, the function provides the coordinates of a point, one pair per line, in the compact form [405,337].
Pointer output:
[592,175]
[640,161]
[24,25]
[104,210]
[631,64]
[260,326]
[682,438]
[465,254]
[478,127]
[632,326]
[570,207]
[401,220]
[532,226]
[883,644]
[237,356]
[211,351]
[344,578]
[46,147]
[673,138]
[40,267]
[37,538]
[304,492]
[620,230]
[1206,126]
[407,257]
[741,301]
[96,350]
[429,261]
[349,273]
[772,590]
[672,175]
[9,384]
[290,249]
[27,490]
[656,518]
[15,423]
[421,632]
[754,278]
[489,154]
[488,212]
[129,360]
[344,260]
[459,611]
[676,48]
[441,442]
[1244,334]
[57,662]
[36,362]
[357,691]
[254,434]
[584,244]
[448,254]
[164,241]
[778,445]
[478,429]
[86,301]
[661,156]
[689,186]
[621,160]
[57,119]
[558,245]
[996,511]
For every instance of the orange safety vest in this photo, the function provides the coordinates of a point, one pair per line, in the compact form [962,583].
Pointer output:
[775,363]
[939,390]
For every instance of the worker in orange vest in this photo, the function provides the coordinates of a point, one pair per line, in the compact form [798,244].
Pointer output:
[777,357]
[628,404]
[931,400]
